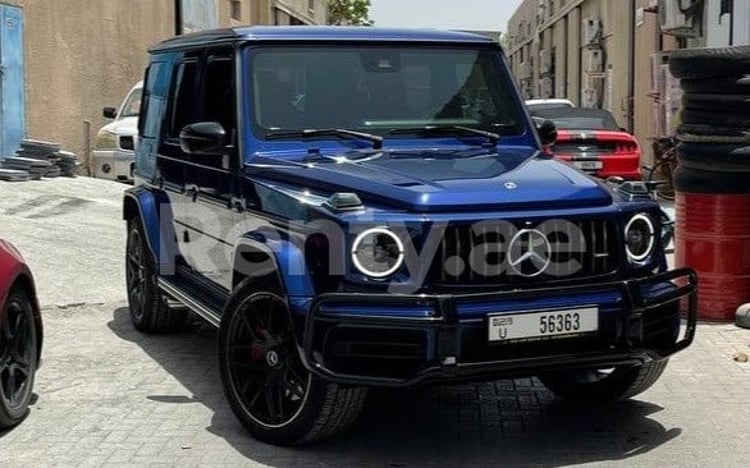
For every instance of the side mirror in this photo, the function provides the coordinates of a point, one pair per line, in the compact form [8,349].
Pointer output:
[208,138]
[547,131]
[109,112]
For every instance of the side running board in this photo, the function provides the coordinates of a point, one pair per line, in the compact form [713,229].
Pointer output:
[197,305]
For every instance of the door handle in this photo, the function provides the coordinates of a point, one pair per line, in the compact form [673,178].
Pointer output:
[192,191]
[238,204]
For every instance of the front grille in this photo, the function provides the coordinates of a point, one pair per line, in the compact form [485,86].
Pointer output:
[458,260]
[127,143]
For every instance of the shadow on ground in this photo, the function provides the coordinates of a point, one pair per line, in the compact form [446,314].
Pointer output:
[505,422]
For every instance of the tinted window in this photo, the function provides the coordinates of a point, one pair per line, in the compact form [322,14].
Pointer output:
[376,89]
[152,105]
[579,118]
[584,123]
[218,92]
[183,98]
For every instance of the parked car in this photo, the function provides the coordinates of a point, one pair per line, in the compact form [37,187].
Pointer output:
[591,140]
[545,104]
[20,336]
[114,149]
[358,208]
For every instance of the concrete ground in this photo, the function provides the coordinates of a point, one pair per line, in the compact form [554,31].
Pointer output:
[72,235]
[108,395]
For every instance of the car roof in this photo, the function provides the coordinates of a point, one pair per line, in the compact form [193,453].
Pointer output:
[582,112]
[532,102]
[319,34]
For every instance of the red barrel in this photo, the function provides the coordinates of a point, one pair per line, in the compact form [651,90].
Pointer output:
[713,237]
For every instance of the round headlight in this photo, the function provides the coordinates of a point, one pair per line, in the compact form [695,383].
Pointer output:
[378,252]
[639,237]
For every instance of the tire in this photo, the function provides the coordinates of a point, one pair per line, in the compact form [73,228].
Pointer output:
[736,103]
[256,324]
[725,86]
[737,120]
[688,180]
[709,134]
[18,358]
[710,62]
[593,385]
[149,310]
[714,157]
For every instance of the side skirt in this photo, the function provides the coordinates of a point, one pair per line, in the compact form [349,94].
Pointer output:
[205,302]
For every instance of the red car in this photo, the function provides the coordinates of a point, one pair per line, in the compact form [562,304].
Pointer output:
[591,140]
[20,335]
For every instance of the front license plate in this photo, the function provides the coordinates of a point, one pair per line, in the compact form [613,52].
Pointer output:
[543,324]
[588,165]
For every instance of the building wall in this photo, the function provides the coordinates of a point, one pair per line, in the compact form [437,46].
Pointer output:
[82,55]
[635,54]
[727,29]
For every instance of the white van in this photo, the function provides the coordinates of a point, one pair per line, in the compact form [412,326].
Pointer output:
[114,150]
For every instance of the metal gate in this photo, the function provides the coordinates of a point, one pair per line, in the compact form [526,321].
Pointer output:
[12,94]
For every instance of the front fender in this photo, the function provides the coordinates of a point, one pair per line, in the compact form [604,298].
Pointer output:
[153,210]
[258,254]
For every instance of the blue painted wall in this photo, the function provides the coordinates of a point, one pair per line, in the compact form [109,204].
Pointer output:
[12,93]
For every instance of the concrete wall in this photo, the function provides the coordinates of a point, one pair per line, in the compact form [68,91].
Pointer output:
[82,55]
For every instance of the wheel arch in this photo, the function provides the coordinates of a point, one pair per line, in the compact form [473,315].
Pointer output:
[279,258]
[155,216]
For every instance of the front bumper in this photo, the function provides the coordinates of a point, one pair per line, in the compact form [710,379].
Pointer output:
[405,340]
[117,164]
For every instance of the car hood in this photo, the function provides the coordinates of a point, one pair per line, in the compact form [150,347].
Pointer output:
[431,180]
[124,127]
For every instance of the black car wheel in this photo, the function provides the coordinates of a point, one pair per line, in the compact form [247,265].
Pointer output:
[266,384]
[603,385]
[18,358]
[148,309]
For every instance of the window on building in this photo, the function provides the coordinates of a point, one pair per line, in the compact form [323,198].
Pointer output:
[311,5]
[236,10]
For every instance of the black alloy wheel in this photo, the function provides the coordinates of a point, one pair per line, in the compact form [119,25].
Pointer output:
[18,358]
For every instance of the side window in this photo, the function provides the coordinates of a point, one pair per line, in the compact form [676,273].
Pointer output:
[183,98]
[152,102]
[219,98]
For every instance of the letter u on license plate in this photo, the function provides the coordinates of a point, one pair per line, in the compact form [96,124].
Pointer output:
[509,327]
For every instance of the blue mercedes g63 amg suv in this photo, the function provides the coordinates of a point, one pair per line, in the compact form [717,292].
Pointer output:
[362,207]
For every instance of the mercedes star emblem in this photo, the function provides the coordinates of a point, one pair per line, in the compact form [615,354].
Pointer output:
[272,358]
[529,253]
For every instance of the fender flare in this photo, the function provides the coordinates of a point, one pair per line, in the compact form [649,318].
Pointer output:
[155,214]
[287,262]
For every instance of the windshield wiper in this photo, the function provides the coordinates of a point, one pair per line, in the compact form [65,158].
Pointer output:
[449,129]
[377,141]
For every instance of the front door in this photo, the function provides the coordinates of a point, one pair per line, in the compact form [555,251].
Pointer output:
[12,107]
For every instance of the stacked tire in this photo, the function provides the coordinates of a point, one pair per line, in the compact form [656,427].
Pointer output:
[713,177]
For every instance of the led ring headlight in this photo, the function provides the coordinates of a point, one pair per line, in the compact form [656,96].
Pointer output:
[639,237]
[378,252]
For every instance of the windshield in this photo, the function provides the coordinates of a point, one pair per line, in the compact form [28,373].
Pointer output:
[380,89]
[132,105]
